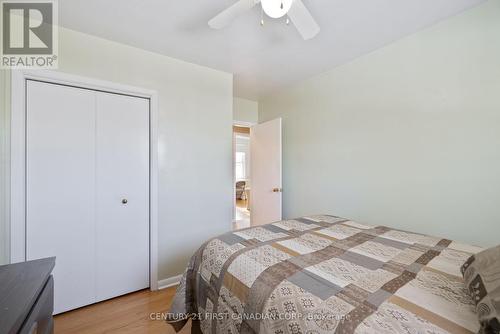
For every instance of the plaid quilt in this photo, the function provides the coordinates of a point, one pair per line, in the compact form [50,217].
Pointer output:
[325,274]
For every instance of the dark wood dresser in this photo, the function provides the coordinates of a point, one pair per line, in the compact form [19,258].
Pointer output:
[27,297]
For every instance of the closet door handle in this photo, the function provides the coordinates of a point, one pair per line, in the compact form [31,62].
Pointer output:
[124,201]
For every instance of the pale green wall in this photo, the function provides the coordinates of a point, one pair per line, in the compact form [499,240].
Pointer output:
[407,136]
[244,110]
[195,132]
[195,137]
[4,164]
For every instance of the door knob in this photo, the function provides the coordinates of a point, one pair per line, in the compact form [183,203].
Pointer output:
[124,201]
[277,190]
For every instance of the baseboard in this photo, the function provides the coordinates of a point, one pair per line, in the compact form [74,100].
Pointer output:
[168,282]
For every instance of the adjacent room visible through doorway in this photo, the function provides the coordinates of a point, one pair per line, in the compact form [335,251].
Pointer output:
[242,184]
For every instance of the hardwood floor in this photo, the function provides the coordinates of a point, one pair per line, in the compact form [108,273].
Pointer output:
[125,314]
[241,203]
[242,218]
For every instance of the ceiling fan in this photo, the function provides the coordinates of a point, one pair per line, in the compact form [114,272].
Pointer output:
[295,10]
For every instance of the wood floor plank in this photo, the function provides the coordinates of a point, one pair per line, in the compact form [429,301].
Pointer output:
[127,314]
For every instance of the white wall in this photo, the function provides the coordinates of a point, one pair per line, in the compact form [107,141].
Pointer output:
[195,137]
[407,136]
[246,111]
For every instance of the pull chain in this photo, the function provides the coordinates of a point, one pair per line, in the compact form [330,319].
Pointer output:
[261,16]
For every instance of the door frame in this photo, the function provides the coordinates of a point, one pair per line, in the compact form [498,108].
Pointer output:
[18,155]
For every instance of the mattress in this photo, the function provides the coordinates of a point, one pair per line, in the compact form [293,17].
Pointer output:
[326,274]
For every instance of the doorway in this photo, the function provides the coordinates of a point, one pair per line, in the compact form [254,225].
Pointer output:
[242,176]
[257,169]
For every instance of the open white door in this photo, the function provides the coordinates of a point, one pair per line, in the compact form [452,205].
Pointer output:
[265,150]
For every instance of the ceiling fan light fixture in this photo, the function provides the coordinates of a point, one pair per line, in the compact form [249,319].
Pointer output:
[276,8]
[295,11]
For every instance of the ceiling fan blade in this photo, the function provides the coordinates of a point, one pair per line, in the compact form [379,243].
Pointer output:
[303,20]
[228,15]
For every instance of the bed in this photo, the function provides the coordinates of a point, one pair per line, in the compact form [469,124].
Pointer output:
[325,274]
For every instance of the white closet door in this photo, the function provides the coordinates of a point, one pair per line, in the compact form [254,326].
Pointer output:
[60,188]
[122,229]
[87,191]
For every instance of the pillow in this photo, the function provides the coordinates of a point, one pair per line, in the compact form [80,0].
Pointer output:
[482,278]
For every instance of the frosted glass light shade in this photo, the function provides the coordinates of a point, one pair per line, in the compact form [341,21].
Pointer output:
[276,8]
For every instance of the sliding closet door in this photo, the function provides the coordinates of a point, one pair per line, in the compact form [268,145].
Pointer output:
[60,188]
[122,215]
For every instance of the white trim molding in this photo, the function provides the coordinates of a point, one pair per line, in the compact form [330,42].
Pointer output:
[18,155]
[243,124]
[169,282]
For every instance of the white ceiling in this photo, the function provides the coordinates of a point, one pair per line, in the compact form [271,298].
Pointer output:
[263,59]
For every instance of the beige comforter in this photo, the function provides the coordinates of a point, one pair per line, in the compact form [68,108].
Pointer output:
[325,274]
